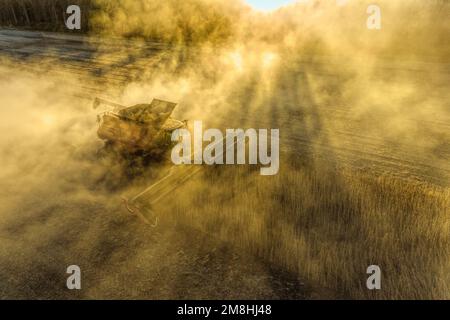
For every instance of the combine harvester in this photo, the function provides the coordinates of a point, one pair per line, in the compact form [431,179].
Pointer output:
[143,130]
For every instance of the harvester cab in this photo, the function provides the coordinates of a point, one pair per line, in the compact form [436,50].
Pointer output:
[143,128]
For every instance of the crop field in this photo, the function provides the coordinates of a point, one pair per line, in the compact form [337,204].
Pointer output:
[364,175]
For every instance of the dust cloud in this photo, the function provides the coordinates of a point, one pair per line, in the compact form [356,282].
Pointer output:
[346,64]
[312,69]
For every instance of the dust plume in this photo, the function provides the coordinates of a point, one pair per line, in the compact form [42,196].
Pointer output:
[363,116]
[173,21]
